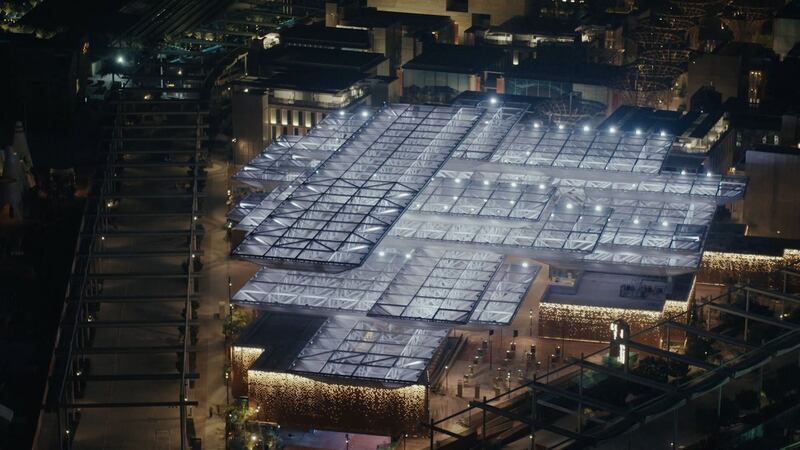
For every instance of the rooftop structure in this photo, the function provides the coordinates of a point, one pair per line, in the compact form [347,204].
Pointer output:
[437,213]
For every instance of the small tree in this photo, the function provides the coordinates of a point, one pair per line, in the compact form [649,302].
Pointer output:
[235,323]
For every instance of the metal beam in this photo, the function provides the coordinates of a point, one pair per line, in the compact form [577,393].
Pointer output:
[539,425]
[133,377]
[773,294]
[146,233]
[142,254]
[757,317]
[129,404]
[138,298]
[132,350]
[137,276]
[671,355]
[157,195]
[625,376]
[135,323]
[594,403]
[709,334]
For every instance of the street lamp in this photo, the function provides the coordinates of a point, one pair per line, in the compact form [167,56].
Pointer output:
[530,317]
[446,371]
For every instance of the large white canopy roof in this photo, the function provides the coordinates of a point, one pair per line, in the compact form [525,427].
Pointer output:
[461,187]
[369,350]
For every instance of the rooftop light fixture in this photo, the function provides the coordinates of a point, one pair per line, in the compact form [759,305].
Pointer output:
[586,128]
[612,130]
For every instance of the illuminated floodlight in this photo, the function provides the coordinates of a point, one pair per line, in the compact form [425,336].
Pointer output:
[586,128]
[485,182]
[638,131]
[636,221]
[341,113]
[542,186]
[612,130]
[663,133]
[598,208]
[493,100]
[561,126]
[120,59]
[708,174]
[665,223]
[365,113]
[569,205]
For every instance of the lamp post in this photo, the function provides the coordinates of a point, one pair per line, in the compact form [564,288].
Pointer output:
[347,441]
[530,317]
[446,372]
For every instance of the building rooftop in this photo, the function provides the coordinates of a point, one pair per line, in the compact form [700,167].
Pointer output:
[281,335]
[539,26]
[308,57]
[413,23]
[343,347]
[456,59]
[609,290]
[437,213]
[584,73]
[305,79]
[318,35]
[731,238]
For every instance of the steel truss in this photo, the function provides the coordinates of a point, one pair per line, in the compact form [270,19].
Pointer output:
[138,249]
[734,353]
